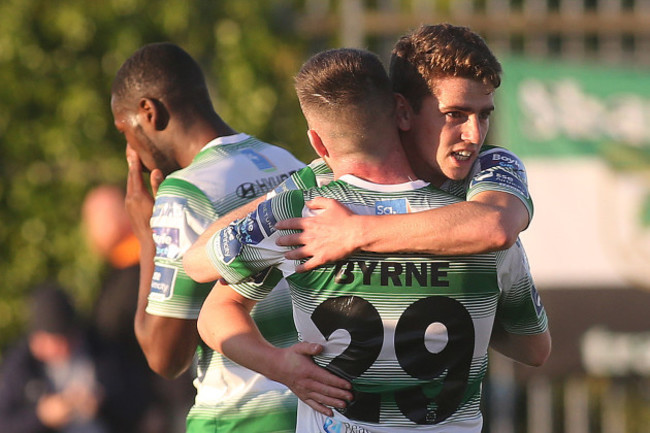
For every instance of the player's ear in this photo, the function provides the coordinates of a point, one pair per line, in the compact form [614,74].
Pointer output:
[317,143]
[403,112]
[154,113]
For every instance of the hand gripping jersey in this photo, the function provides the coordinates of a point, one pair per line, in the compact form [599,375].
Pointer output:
[496,169]
[227,173]
[411,332]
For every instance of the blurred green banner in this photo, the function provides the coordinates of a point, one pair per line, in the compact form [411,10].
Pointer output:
[552,108]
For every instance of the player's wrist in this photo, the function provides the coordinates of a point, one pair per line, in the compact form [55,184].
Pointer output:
[362,234]
[275,364]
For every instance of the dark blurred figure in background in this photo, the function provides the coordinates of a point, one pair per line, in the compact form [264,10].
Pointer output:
[58,378]
[108,232]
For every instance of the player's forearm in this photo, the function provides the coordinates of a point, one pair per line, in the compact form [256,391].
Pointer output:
[147,253]
[196,263]
[167,343]
[459,229]
[227,327]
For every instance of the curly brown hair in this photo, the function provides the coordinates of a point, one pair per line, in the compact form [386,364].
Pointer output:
[437,51]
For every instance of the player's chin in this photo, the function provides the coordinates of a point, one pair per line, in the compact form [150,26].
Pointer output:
[457,173]
[459,169]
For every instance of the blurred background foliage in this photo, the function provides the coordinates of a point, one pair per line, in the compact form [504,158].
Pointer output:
[57,61]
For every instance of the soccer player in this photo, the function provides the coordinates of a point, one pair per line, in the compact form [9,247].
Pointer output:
[448,75]
[199,167]
[410,332]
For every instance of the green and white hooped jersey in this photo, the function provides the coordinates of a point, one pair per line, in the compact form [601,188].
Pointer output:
[227,173]
[496,169]
[410,331]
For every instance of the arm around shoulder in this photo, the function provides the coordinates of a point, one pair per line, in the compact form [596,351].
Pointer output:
[506,215]
[196,262]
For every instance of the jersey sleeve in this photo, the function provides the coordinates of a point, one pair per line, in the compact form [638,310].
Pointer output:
[246,247]
[520,309]
[181,213]
[499,169]
[314,175]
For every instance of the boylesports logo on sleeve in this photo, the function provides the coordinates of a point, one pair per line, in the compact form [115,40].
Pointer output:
[501,158]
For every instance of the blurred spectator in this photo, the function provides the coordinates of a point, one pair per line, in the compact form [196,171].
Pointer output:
[108,232]
[57,379]
[109,235]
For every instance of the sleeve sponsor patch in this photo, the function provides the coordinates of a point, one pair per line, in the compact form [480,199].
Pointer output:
[502,158]
[266,218]
[503,178]
[251,230]
[162,282]
[229,245]
[167,240]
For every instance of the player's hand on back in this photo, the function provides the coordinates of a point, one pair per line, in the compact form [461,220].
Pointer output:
[314,385]
[325,238]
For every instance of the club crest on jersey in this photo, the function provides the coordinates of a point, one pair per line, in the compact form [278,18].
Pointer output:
[162,282]
[260,161]
[395,206]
